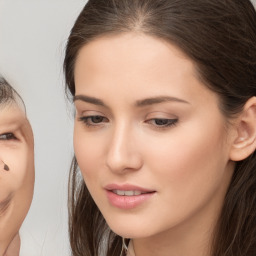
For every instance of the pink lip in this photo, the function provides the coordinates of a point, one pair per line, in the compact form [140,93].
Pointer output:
[127,202]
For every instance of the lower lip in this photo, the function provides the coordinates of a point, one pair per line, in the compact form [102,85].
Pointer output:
[127,202]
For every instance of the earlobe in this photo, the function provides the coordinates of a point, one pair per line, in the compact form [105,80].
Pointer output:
[244,143]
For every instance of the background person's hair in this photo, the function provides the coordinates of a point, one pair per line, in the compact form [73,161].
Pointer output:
[6,92]
[9,95]
[220,38]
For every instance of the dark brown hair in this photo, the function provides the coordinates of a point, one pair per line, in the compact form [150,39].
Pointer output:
[219,36]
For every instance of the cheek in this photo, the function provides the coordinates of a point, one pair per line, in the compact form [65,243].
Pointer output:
[21,171]
[89,153]
[184,155]
[22,166]
[190,161]
[18,183]
[11,180]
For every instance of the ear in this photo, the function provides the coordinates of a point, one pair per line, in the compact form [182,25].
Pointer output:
[244,141]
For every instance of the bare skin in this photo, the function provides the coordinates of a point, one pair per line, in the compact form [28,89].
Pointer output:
[16,181]
[143,124]
[14,247]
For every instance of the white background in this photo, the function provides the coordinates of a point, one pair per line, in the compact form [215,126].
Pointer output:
[33,34]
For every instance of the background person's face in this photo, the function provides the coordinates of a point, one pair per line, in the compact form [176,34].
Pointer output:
[16,184]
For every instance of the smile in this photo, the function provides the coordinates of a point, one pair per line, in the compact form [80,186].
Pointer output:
[127,193]
[128,196]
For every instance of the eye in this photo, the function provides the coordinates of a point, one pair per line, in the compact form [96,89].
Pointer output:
[7,136]
[162,122]
[93,120]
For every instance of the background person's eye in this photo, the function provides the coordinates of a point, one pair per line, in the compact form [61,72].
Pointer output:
[7,136]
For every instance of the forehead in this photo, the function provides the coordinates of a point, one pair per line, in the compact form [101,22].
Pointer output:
[129,48]
[133,63]
[127,56]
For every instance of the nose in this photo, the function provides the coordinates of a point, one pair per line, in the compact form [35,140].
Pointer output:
[123,154]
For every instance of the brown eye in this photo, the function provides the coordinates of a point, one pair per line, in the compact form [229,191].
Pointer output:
[93,120]
[162,122]
[97,119]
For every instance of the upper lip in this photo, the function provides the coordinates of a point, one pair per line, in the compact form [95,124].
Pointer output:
[127,187]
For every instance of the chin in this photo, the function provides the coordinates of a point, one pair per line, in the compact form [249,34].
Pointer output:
[129,229]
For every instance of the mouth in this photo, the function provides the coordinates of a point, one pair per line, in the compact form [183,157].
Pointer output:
[128,196]
[128,192]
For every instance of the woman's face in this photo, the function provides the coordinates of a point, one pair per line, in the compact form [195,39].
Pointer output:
[16,184]
[149,138]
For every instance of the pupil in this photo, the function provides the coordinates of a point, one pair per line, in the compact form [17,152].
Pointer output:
[161,121]
[97,119]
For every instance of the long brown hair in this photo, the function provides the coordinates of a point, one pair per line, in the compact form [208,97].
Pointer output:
[220,38]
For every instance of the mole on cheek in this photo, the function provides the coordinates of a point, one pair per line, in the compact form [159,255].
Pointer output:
[4,204]
[6,167]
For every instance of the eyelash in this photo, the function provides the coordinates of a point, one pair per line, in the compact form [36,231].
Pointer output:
[88,121]
[7,136]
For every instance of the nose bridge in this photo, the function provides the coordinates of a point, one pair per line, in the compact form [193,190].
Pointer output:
[122,153]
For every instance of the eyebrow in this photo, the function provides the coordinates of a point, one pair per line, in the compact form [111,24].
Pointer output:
[88,99]
[159,99]
[139,103]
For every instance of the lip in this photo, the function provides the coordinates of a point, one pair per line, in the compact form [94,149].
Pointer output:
[127,202]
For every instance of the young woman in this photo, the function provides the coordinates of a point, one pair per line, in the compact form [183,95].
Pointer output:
[16,168]
[165,128]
